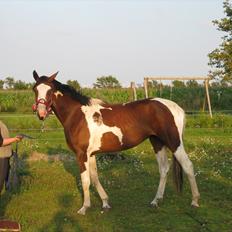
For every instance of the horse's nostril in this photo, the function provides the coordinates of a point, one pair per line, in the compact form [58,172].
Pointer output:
[40,118]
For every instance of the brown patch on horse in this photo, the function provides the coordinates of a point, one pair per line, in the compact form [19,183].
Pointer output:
[137,126]
[77,137]
[110,142]
[156,143]
[97,118]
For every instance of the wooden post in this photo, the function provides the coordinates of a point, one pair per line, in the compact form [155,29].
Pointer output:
[134,91]
[207,95]
[203,107]
[145,84]
[171,85]
[160,86]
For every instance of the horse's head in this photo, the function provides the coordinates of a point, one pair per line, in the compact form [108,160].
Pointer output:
[44,91]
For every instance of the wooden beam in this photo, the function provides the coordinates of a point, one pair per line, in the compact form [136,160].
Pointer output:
[177,78]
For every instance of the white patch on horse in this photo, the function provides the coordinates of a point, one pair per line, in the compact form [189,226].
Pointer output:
[177,112]
[58,93]
[42,91]
[97,130]
[96,101]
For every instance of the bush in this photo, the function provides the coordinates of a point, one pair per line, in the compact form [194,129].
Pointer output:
[204,121]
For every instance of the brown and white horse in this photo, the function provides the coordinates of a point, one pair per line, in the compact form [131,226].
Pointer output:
[92,126]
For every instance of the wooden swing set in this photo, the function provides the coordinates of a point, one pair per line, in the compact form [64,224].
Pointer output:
[206,80]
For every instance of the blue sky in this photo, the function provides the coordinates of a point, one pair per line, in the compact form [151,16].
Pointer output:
[128,39]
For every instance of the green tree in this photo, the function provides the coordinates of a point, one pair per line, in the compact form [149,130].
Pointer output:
[178,84]
[107,82]
[20,85]
[74,83]
[192,84]
[30,85]
[220,59]
[153,84]
[1,84]
[9,82]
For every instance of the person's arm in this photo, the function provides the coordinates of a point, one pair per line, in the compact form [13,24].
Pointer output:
[8,141]
[1,139]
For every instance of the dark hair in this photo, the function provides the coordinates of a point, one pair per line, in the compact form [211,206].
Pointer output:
[73,93]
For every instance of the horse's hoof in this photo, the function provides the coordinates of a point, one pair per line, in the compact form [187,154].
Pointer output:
[82,211]
[105,209]
[154,204]
[195,205]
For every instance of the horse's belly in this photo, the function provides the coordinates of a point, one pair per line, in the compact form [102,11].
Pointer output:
[111,142]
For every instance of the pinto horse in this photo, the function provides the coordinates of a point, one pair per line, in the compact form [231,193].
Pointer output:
[92,126]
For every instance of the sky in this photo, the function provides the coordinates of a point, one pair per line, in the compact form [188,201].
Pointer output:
[128,39]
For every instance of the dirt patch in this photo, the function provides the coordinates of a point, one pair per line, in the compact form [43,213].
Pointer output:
[36,156]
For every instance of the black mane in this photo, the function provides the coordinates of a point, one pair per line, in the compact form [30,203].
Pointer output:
[77,95]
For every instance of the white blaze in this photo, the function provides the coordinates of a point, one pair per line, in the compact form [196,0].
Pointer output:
[42,91]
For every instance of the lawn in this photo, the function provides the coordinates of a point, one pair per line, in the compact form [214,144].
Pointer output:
[50,192]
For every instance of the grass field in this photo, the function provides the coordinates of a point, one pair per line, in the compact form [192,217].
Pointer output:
[50,191]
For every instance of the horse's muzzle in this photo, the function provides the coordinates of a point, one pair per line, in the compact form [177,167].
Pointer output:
[42,114]
[42,109]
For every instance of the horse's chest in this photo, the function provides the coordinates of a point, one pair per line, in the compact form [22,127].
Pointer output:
[99,131]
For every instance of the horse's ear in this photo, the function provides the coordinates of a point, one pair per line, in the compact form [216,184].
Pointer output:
[52,77]
[35,75]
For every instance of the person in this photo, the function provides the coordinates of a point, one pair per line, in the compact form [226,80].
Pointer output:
[5,153]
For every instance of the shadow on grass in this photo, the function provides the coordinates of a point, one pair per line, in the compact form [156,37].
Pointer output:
[19,169]
[59,149]
[63,221]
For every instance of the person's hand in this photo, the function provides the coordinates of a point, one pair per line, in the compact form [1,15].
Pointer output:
[18,138]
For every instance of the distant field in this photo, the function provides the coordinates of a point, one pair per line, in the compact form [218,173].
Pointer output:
[50,192]
[191,99]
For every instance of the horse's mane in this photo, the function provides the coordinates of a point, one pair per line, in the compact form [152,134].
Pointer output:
[73,93]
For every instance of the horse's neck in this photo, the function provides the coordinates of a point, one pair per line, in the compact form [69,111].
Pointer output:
[64,107]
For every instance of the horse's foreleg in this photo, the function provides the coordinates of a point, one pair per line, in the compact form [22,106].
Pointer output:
[187,165]
[162,160]
[85,179]
[97,184]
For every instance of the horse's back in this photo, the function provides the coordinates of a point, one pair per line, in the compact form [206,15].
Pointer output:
[177,112]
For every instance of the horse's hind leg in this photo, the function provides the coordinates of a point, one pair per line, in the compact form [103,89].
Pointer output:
[96,182]
[162,160]
[187,165]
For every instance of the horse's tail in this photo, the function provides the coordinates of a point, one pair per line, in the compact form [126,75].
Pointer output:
[177,168]
[177,175]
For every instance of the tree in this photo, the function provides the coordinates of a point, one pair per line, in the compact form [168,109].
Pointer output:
[30,85]
[220,59]
[9,82]
[153,84]
[192,84]
[107,82]
[1,84]
[20,85]
[178,84]
[75,84]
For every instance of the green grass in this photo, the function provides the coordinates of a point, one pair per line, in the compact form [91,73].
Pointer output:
[50,192]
